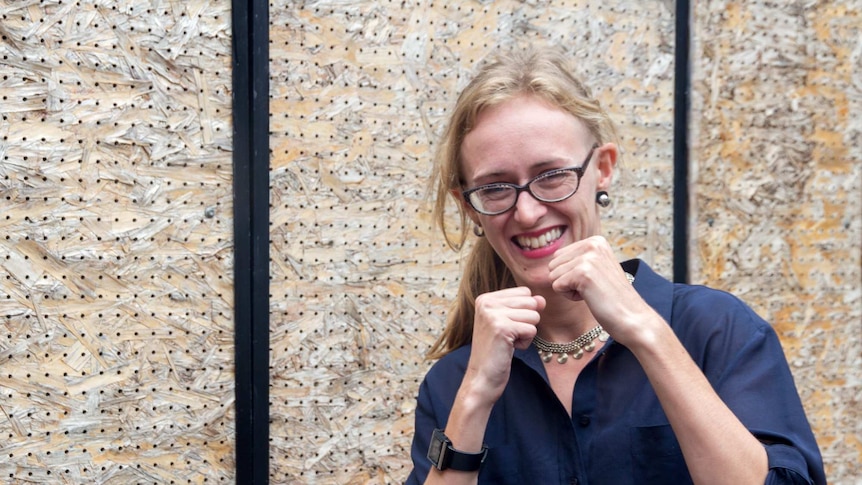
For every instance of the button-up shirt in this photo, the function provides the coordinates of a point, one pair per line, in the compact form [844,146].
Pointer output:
[618,433]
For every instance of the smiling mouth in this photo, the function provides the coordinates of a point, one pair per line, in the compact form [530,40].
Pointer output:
[539,242]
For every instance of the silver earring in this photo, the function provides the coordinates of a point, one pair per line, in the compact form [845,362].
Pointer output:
[603,199]
[478,231]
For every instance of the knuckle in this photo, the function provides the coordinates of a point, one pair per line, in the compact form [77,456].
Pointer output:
[482,300]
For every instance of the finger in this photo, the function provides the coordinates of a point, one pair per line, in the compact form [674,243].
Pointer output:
[568,284]
[533,302]
[506,299]
[563,255]
[511,292]
[561,269]
[525,338]
[519,315]
[571,294]
[570,252]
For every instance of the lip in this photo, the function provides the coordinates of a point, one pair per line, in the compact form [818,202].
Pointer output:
[543,251]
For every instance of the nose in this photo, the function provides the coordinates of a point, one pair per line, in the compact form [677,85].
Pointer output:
[528,209]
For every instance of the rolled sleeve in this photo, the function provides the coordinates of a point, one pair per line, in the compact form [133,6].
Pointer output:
[784,463]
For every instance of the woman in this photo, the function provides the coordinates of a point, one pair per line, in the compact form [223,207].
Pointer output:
[559,364]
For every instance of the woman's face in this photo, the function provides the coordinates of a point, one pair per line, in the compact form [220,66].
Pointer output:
[514,142]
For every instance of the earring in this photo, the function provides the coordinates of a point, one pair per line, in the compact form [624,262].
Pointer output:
[478,231]
[603,199]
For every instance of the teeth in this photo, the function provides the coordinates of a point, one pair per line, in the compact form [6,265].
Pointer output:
[541,241]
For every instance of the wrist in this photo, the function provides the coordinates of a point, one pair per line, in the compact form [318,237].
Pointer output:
[650,333]
[476,394]
[469,417]
[658,350]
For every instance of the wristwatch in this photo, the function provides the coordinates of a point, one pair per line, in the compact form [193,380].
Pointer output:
[443,456]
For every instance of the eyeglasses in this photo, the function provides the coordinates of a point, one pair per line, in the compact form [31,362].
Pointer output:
[551,186]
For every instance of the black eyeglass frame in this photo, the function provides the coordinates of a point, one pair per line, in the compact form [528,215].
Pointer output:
[526,187]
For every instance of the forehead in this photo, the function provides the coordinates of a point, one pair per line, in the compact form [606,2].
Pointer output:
[519,137]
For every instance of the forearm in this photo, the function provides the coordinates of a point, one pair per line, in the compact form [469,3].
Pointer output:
[717,448]
[465,427]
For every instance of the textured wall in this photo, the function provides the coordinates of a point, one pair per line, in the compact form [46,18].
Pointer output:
[359,94]
[115,215]
[777,145]
[116,321]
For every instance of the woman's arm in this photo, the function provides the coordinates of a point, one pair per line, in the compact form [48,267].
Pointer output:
[717,447]
[505,320]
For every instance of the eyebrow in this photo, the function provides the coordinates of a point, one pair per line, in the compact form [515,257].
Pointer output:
[536,169]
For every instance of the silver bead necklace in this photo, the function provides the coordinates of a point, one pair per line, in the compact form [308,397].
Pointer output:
[575,348]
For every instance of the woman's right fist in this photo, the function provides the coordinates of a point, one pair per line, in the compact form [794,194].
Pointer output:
[504,320]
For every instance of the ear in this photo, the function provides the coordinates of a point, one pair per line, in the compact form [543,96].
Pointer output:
[606,163]
[465,206]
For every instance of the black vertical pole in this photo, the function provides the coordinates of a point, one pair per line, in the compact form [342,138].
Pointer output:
[680,143]
[251,237]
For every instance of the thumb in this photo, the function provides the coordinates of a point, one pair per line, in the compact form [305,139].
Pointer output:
[540,302]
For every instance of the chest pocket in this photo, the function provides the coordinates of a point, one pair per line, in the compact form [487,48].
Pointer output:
[657,457]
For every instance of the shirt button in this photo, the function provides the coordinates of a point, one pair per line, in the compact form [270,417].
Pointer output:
[573,481]
[584,421]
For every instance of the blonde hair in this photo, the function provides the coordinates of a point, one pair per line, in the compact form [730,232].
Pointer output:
[542,73]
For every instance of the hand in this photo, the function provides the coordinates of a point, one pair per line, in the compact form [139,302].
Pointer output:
[504,320]
[588,270]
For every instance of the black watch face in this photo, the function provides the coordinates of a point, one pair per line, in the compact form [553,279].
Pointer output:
[435,450]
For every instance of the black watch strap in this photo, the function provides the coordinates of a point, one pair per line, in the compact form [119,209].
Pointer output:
[467,462]
[443,456]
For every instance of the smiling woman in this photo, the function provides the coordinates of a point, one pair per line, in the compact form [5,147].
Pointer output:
[667,382]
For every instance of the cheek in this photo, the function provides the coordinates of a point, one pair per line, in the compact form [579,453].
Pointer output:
[590,222]
[584,217]
[493,230]
[495,233]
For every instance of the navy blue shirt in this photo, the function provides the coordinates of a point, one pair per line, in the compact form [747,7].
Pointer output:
[618,433]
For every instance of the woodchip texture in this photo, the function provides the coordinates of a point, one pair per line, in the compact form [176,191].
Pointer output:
[116,261]
[116,244]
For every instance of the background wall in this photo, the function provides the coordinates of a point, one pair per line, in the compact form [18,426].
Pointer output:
[116,351]
[116,301]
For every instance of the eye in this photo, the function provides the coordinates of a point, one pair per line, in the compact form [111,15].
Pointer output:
[494,192]
[554,178]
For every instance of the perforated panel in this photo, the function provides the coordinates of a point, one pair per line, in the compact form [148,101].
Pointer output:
[116,346]
[360,286]
[116,251]
[779,191]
